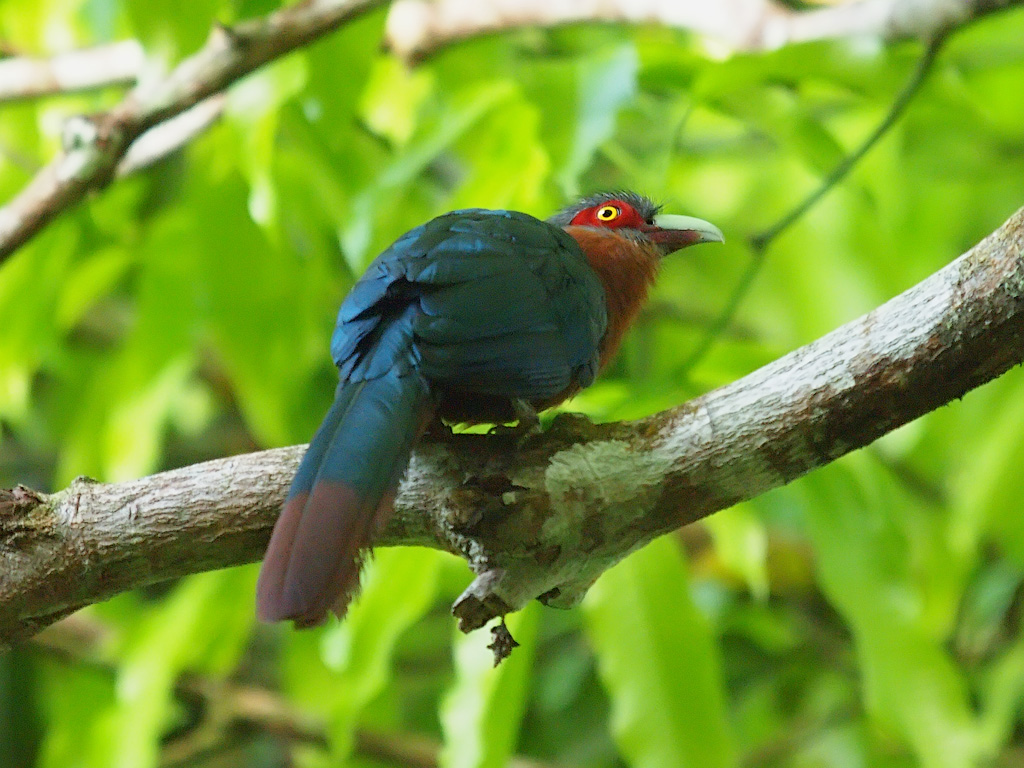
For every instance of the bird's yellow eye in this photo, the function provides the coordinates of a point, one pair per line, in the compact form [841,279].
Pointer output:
[608,213]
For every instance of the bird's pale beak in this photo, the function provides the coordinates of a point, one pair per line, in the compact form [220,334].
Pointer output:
[671,232]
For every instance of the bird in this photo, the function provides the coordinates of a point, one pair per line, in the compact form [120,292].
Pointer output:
[477,316]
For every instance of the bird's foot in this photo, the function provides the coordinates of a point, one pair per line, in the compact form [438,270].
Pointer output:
[527,424]
[437,431]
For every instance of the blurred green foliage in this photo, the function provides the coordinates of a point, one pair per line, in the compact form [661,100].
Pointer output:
[867,615]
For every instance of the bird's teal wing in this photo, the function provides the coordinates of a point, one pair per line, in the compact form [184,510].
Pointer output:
[503,304]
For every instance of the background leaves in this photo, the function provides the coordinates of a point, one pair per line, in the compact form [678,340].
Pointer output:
[867,615]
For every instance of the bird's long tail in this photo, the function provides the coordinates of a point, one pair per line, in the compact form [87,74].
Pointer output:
[341,497]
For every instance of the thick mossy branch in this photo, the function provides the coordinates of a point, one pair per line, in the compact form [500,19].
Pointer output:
[546,519]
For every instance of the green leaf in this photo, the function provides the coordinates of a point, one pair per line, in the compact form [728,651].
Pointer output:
[115,428]
[339,66]
[482,712]
[393,97]
[785,117]
[162,21]
[255,107]
[741,541]
[75,735]
[89,281]
[191,629]
[267,309]
[1001,696]
[606,83]
[986,480]
[659,663]
[399,586]
[864,551]
[30,288]
[507,164]
[380,202]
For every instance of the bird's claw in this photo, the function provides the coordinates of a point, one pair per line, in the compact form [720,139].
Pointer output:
[438,431]
[527,425]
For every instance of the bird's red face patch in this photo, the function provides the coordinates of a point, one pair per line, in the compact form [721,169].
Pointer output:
[614,214]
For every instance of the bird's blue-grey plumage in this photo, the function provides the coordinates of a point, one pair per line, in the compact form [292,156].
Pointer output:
[485,303]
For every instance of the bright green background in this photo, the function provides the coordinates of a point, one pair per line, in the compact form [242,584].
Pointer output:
[867,615]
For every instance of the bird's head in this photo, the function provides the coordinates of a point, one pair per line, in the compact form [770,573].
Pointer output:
[638,218]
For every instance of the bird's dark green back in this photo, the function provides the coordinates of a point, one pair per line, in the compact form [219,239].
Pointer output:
[491,302]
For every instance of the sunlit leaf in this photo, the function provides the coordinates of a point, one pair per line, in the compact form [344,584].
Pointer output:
[864,553]
[355,656]
[659,663]
[190,629]
[481,713]
[742,543]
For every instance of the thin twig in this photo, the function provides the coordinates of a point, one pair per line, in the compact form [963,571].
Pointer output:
[924,67]
[232,714]
[760,242]
[171,135]
[26,77]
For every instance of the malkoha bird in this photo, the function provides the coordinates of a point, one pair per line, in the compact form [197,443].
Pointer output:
[477,316]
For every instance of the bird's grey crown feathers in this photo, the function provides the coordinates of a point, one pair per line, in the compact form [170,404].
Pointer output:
[646,207]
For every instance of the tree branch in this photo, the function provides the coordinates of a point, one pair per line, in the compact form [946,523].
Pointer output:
[418,28]
[94,146]
[545,521]
[171,135]
[26,77]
